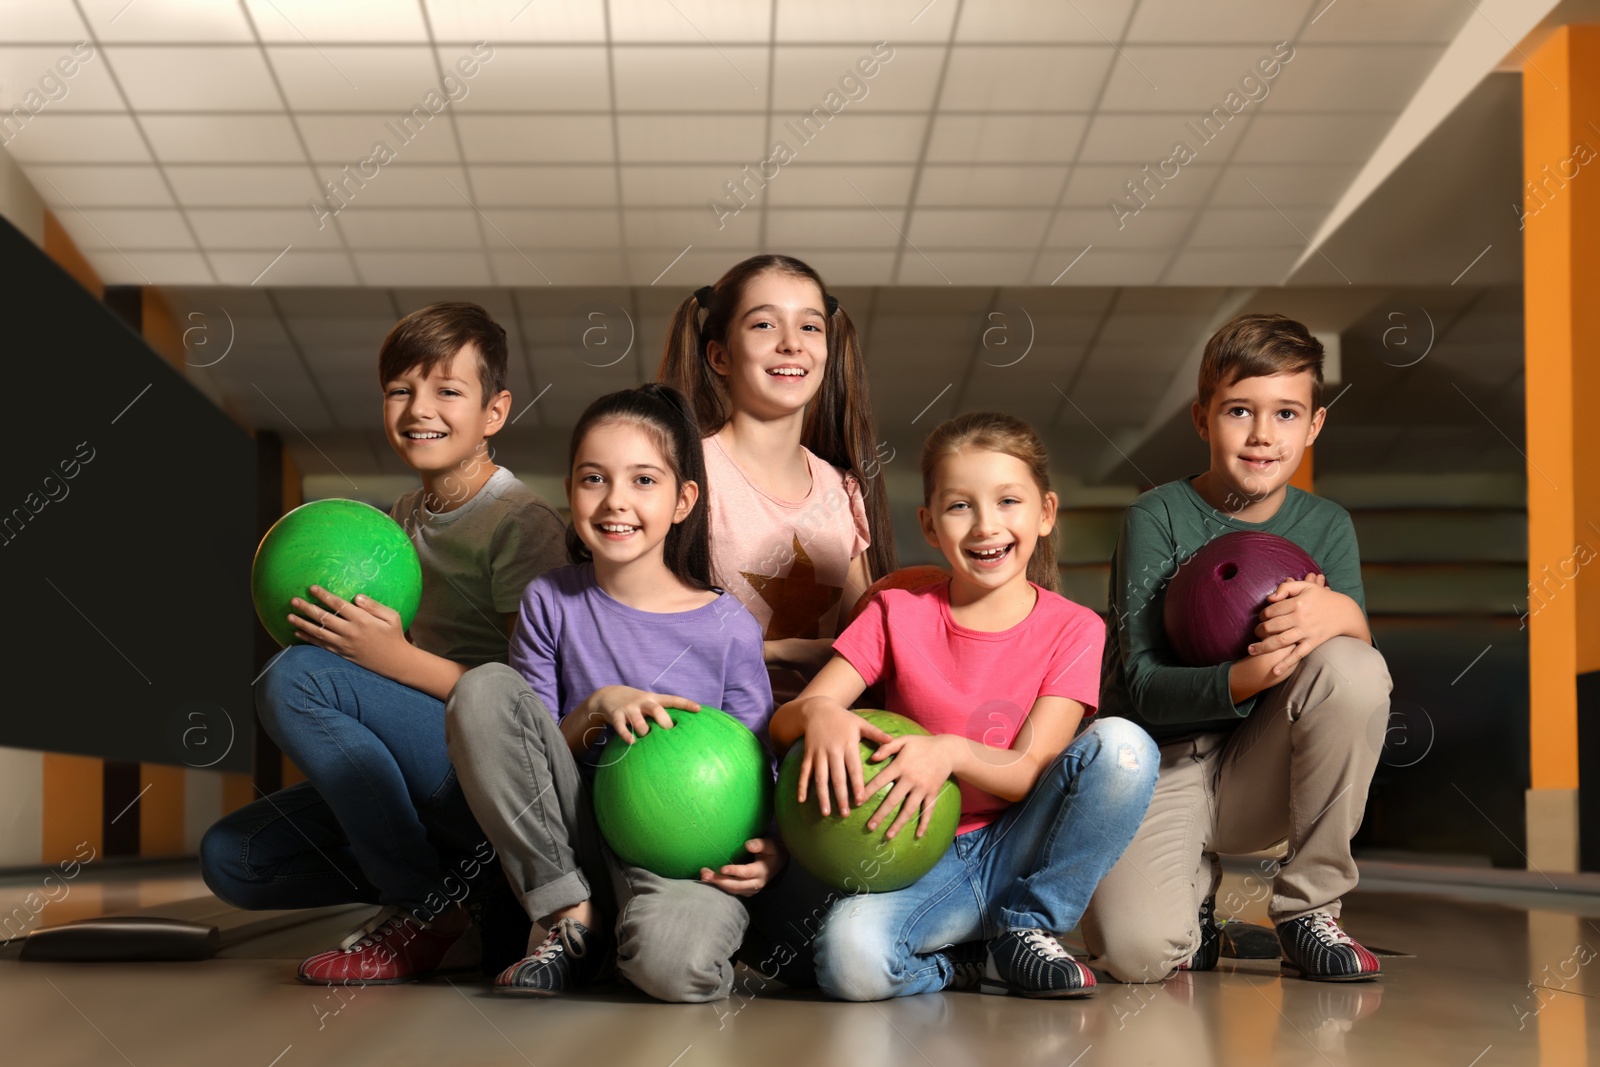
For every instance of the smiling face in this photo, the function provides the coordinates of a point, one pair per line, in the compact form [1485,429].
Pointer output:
[776,348]
[625,498]
[986,514]
[1258,429]
[437,422]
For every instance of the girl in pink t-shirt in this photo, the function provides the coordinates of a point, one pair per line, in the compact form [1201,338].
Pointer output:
[799,520]
[1001,669]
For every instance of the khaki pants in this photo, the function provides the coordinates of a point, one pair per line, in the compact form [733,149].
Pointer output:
[1298,769]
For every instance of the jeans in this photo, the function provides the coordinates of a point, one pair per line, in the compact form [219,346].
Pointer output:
[1035,867]
[380,814]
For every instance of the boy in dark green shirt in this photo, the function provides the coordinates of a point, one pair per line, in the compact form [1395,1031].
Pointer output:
[1278,745]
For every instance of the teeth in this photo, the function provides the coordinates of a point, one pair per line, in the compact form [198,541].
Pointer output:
[789,372]
[617,527]
[990,553]
[429,436]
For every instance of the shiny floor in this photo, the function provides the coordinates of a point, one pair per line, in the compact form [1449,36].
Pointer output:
[1479,978]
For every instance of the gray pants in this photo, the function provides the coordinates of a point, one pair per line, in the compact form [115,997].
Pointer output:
[675,937]
[1297,768]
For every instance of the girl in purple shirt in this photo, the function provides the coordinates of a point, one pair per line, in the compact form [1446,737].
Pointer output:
[632,628]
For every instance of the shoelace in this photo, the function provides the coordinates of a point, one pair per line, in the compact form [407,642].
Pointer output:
[556,941]
[374,929]
[1046,945]
[1328,931]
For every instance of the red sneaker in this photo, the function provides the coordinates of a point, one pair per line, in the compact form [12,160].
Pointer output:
[393,946]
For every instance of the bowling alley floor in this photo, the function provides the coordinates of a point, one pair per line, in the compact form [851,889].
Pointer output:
[1480,977]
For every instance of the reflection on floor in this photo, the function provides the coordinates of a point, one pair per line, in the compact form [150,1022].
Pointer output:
[1489,977]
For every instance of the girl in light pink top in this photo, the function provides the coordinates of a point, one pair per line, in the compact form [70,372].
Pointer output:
[799,517]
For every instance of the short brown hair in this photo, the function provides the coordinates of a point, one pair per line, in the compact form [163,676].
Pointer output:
[433,335]
[1258,346]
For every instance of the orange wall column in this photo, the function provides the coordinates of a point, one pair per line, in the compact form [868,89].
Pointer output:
[1561,275]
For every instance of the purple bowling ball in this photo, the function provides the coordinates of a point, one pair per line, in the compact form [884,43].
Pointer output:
[1214,602]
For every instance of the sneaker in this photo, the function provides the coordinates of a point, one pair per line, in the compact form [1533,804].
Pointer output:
[1032,963]
[1205,957]
[570,956]
[392,946]
[1315,947]
[969,961]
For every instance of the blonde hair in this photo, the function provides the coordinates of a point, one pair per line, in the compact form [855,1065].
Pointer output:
[995,431]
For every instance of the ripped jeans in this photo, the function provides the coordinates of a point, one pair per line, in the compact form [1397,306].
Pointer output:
[1035,867]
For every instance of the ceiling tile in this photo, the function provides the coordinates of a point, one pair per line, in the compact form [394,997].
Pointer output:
[812,185]
[690,139]
[1025,78]
[218,78]
[261,229]
[690,78]
[44,23]
[1099,266]
[963,268]
[835,228]
[223,138]
[228,186]
[691,20]
[420,268]
[547,20]
[672,228]
[118,21]
[1256,226]
[1136,140]
[447,228]
[139,266]
[1150,227]
[1097,184]
[535,139]
[1346,78]
[805,75]
[1436,21]
[297,267]
[1185,79]
[37,77]
[351,140]
[61,137]
[523,78]
[1015,186]
[568,228]
[153,228]
[100,186]
[573,186]
[967,228]
[1245,184]
[890,21]
[293,21]
[1005,138]
[347,78]
[1082,21]
[859,137]
[1218,20]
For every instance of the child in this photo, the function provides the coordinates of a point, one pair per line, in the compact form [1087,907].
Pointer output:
[604,643]
[1001,669]
[361,711]
[1272,746]
[778,385]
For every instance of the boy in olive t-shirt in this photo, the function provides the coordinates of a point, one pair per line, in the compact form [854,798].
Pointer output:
[1280,745]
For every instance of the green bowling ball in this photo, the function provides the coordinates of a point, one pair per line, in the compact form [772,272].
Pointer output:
[346,547]
[840,850]
[683,798]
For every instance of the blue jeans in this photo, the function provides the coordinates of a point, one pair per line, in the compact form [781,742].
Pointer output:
[380,814]
[1035,867]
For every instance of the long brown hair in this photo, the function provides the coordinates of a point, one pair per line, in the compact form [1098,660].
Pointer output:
[660,411]
[995,431]
[838,423]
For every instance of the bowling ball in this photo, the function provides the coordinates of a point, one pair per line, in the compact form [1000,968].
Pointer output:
[1214,602]
[840,850]
[904,578]
[685,797]
[344,546]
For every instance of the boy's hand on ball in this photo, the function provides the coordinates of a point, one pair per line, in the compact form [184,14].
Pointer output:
[767,857]
[1301,614]
[920,767]
[363,631]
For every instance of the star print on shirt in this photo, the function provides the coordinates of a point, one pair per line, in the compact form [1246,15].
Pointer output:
[797,600]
